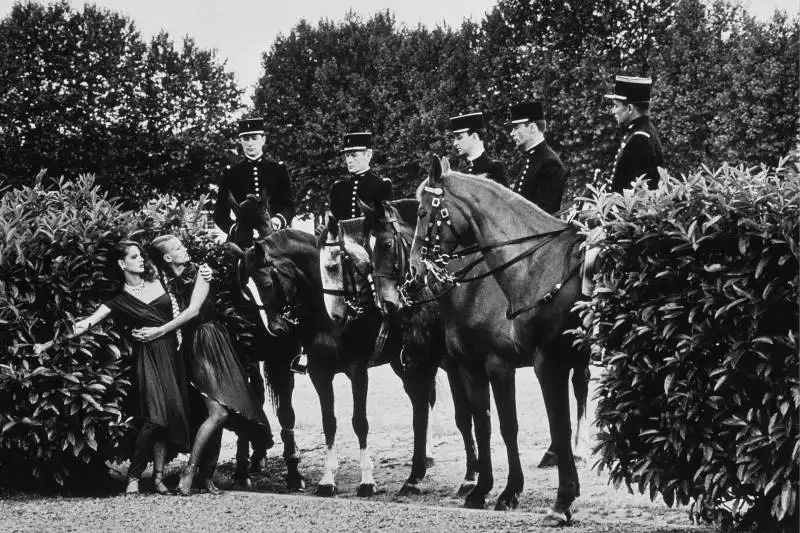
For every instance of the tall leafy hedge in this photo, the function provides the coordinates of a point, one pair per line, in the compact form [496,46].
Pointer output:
[696,310]
[63,411]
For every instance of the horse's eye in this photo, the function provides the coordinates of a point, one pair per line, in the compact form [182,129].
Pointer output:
[422,213]
[387,246]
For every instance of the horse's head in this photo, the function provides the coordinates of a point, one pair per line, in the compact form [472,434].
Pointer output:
[270,284]
[392,227]
[441,225]
[346,270]
[252,218]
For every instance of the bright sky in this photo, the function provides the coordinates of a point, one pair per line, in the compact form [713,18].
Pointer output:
[241,30]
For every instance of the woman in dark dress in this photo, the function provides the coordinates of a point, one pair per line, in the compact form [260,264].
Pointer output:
[159,384]
[213,367]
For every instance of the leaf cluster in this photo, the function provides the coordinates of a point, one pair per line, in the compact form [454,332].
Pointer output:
[696,312]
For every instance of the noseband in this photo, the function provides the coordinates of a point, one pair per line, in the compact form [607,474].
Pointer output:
[358,288]
[287,311]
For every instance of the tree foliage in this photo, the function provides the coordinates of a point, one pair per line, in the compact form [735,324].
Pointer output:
[726,85]
[84,93]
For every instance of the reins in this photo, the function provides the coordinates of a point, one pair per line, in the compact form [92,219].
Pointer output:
[436,261]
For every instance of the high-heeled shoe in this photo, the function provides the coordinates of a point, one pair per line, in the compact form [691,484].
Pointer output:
[187,477]
[133,486]
[158,482]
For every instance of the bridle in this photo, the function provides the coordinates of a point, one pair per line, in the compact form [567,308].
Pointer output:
[250,293]
[400,249]
[436,261]
[358,287]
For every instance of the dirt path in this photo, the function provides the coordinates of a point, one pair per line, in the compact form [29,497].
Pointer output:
[268,508]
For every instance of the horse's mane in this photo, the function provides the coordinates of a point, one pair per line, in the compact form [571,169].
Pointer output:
[353,228]
[506,196]
[283,239]
[407,209]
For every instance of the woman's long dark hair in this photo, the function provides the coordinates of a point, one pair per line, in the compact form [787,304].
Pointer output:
[120,250]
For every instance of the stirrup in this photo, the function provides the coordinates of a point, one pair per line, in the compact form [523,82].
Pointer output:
[158,482]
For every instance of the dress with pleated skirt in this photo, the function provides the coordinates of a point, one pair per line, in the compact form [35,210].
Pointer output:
[213,366]
[159,386]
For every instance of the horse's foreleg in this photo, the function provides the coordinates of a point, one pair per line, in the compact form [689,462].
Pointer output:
[503,378]
[554,380]
[359,381]
[580,387]
[463,418]
[476,385]
[323,383]
[419,384]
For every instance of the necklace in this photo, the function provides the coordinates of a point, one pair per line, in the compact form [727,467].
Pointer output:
[135,289]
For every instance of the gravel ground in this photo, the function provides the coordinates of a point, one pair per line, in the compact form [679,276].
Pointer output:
[268,506]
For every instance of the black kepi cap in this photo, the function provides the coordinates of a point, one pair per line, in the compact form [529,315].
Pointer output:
[354,142]
[630,89]
[526,112]
[462,123]
[251,125]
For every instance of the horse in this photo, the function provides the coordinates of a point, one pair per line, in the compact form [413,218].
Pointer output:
[283,275]
[477,331]
[277,349]
[541,284]
[346,269]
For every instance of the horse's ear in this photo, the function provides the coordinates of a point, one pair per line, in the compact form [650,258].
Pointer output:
[435,172]
[235,250]
[445,166]
[333,226]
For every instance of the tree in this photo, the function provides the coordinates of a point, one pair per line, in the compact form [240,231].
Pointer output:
[84,93]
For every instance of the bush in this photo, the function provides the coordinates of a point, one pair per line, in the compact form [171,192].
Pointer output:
[696,309]
[62,412]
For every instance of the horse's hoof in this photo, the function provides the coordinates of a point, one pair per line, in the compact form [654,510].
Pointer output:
[429,462]
[366,491]
[556,519]
[474,502]
[326,490]
[409,489]
[507,502]
[549,460]
[465,488]
[296,484]
[243,482]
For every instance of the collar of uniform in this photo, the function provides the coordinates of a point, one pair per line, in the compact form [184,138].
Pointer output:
[359,174]
[254,161]
[476,157]
[638,122]
[533,148]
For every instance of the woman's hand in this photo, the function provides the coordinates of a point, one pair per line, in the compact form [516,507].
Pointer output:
[206,273]
[147,334]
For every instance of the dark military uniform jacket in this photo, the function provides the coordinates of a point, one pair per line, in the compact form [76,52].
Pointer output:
[640,153]
[494,170]
[367,187]
[255,176]
[543,178]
